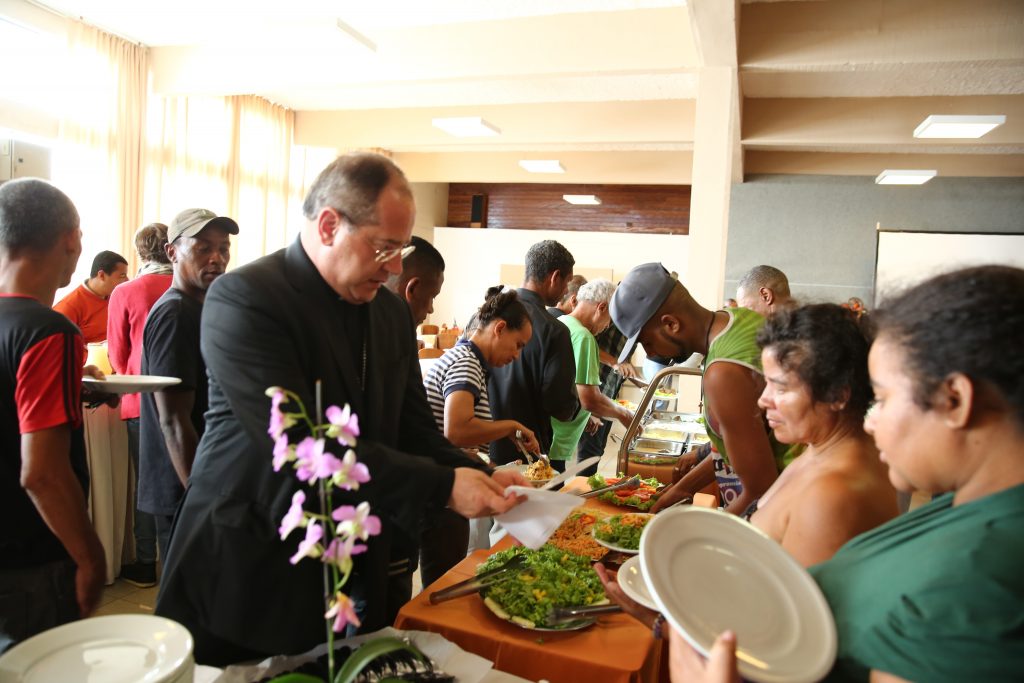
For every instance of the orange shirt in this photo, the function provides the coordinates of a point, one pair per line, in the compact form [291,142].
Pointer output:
[87,310]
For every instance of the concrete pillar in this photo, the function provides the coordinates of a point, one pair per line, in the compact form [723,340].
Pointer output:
[715,133]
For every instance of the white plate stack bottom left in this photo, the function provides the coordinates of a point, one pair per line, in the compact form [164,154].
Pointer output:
[123,648]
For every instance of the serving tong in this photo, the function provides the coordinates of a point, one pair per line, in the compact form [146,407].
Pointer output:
[560,615]
[518,441]
[631,483]
[478,582]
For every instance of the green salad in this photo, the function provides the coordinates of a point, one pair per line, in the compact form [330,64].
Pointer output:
[551,578]
[641,498]
[622,530]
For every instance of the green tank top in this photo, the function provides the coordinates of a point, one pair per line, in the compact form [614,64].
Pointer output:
[737,343]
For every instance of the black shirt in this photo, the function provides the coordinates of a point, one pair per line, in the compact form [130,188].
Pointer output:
[539,385]
[170,347]
[41,357]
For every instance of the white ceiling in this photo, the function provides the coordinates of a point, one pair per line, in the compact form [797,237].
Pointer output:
[609,78]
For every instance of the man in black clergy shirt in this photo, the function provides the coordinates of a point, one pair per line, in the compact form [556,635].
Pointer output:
[541,384]
[314,311]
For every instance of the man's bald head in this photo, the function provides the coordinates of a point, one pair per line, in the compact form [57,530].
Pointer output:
[764,289]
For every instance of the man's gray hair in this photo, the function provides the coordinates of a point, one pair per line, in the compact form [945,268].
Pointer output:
[596,291]
[351,185]
[34,214]
[764,276]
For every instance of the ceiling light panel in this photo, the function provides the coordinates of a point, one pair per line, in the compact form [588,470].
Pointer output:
[542,165]
[587,199]
[904,177]
[942,126]
[466,126]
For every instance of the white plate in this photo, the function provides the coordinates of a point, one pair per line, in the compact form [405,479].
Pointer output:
[619,548]
[567,626]
[631,580]
[709,571]
[130,384]
[123,648]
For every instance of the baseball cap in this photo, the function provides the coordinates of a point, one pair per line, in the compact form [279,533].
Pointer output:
[190,222]
[638,297]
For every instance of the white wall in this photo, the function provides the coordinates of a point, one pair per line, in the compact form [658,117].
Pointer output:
[431,208]
[474,257]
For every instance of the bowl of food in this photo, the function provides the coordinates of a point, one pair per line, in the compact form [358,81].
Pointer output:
[622,532]
[538,472]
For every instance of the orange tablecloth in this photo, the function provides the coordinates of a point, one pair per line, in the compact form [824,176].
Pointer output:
[618,649]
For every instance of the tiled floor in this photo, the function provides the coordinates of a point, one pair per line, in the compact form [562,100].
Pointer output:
[124,598]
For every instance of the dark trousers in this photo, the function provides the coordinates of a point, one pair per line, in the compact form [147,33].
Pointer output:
[593,444]
[443,545]
[34,599]
[163,525]
[144,528]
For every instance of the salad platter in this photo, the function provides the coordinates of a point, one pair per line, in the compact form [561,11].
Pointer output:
[549,578]
[622,532]
[642,498]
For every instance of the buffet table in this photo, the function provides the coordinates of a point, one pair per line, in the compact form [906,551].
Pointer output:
[617,649]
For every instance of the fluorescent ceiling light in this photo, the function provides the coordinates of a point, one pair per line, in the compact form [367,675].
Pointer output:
[582,199]
[466,126]
[542,165]
[891,177]
[936,126]
[356,36]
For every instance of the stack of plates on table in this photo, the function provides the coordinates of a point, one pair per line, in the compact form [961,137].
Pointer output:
[708,571]
[124,648]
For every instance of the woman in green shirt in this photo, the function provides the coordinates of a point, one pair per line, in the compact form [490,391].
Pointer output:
[936,594]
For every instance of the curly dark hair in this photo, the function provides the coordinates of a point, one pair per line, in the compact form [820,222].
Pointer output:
[502,305]
[827,347]
[969,321]
[544,258]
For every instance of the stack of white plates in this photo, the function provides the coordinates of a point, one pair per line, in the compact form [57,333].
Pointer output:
[124,648]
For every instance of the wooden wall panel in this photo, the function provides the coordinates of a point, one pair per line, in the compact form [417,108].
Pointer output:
[625,208]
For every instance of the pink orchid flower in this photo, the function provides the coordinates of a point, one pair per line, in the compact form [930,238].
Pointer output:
[295,517]
[344,425]
[352,473]
[340,551]
[313,462]
[283,452]
[279,421]
[310,546]
[343,611]
[356,521]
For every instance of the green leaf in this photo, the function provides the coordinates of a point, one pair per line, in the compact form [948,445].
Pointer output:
[296,678]
[370,651]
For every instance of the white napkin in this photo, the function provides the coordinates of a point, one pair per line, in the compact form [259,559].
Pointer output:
[532,522]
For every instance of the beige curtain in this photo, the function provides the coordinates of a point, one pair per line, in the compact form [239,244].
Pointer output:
[231,155]
[99,159]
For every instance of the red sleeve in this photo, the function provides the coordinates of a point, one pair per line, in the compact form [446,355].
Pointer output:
[118,340]
[48,392]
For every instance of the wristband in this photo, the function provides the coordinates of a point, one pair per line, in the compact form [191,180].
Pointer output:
[658,627]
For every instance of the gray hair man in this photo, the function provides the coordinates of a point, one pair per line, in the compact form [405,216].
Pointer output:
[589,318]
[315,319]
[764,289]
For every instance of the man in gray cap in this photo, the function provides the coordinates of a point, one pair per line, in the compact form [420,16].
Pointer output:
[199,248]
[652,308]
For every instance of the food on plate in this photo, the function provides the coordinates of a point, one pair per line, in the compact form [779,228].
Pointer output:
[574,534]
[551,578]
[628,405]
[539,471]
[665,392]
[641,498]
[622,530]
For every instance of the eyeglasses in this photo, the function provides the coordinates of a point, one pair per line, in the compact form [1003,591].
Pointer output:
[385,255]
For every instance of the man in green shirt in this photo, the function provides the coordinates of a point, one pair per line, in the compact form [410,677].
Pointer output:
[589,318]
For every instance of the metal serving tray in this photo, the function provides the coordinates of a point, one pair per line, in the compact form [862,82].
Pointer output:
[656,447]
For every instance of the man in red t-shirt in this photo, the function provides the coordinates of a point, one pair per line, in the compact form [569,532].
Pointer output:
[51,562]
[126,319]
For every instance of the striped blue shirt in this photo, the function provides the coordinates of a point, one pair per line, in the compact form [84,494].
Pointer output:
[461,368]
